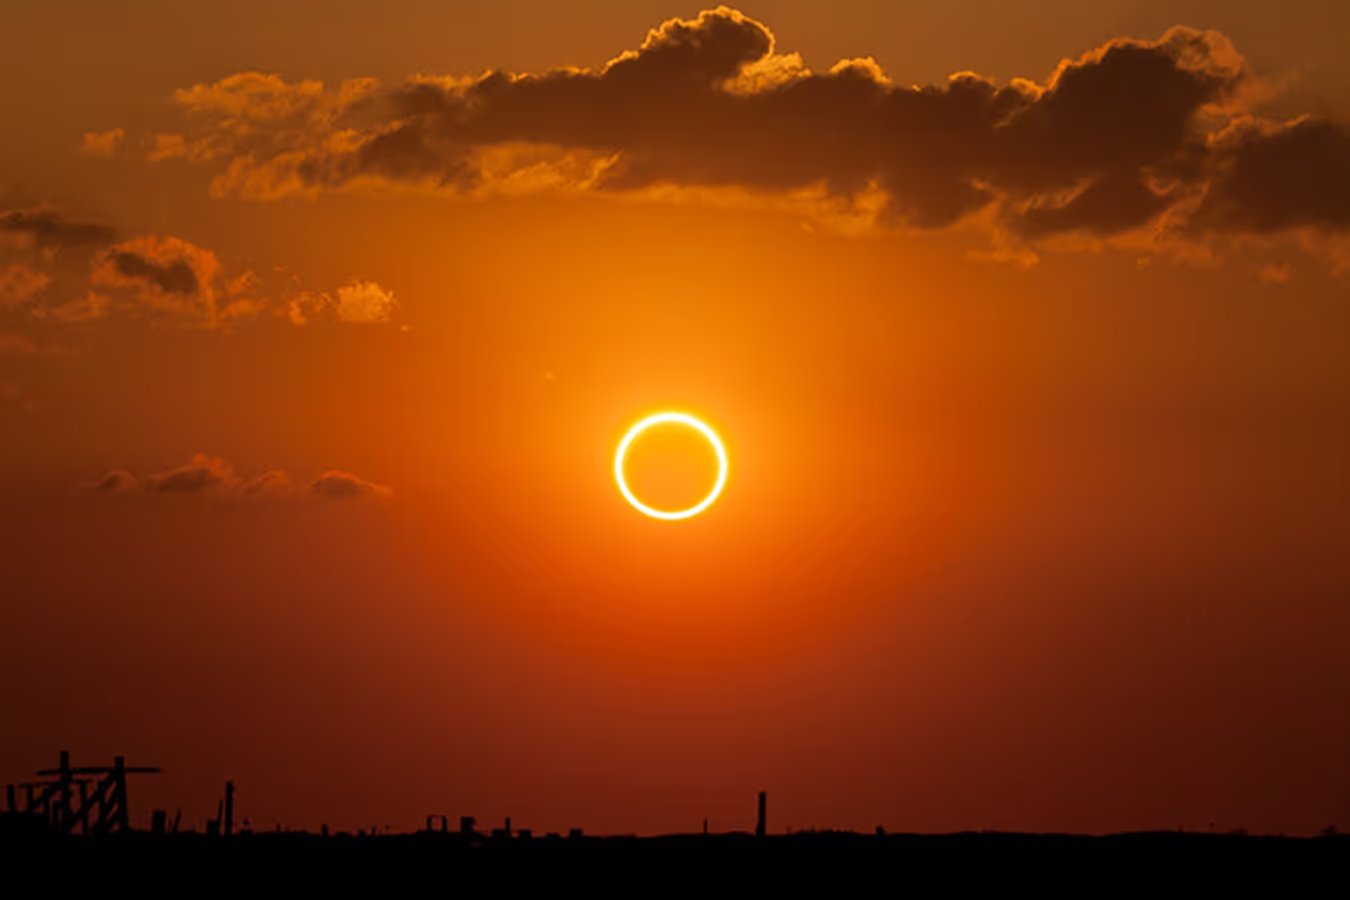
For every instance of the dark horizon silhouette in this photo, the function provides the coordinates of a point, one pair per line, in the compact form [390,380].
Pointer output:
[912,422]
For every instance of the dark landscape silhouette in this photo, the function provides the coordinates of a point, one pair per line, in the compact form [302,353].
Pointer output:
[903,444]
[84,812]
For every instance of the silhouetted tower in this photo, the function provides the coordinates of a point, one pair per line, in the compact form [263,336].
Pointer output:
[466,824]
[759,827]
[229,808]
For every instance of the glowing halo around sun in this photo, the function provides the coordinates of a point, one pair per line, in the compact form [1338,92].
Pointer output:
[661,419]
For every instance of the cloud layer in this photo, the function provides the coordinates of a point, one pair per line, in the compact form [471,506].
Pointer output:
[153,276]
[1152,138]
[205,475]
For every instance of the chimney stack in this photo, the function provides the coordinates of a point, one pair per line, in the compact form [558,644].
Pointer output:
[759,828]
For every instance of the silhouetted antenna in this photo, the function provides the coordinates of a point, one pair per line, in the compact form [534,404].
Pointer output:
[760,826]
[229,808]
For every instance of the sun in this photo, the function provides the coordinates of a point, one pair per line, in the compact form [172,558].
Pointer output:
[680,419]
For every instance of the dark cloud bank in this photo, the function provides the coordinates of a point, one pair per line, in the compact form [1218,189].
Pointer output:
[1154,139]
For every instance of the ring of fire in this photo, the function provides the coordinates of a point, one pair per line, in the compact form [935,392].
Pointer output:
[682,419]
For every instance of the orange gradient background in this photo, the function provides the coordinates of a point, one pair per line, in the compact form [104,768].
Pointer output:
[1060,548]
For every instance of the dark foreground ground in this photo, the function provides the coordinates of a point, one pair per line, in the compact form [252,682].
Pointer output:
[829,863]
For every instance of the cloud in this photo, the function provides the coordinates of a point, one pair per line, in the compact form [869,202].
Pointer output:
[1272,273]
[102,144]
[47,229]
[364,301]
[272,483]
[117,481]
[87,308]
[203,473]
[20,284]
[176,146]
[333,485]
[166,272]
[361,302]
[17,344]
[168,276]
[1155,139]
[206,475]
[1270,177]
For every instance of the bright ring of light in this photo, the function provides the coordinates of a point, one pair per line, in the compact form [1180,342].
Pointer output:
[682,419]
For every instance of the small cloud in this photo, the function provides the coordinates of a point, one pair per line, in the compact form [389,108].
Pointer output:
[1272,273]
[307,306]
[169,276]
[203,473]
[176,146]
[102,144]
[174,276]
[117,481]
[20,283]
[361,302]
[333,485]
[365,301]
[91,306]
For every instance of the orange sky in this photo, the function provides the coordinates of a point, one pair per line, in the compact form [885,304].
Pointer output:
[1034,393]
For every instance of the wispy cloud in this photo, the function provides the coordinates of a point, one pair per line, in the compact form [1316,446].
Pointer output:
[102,143]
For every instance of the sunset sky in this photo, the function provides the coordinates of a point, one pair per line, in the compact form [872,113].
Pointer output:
[1025,326]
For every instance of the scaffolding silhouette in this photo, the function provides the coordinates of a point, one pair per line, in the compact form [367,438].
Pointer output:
[102,806]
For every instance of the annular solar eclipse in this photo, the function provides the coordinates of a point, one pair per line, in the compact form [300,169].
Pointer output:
[680,419]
